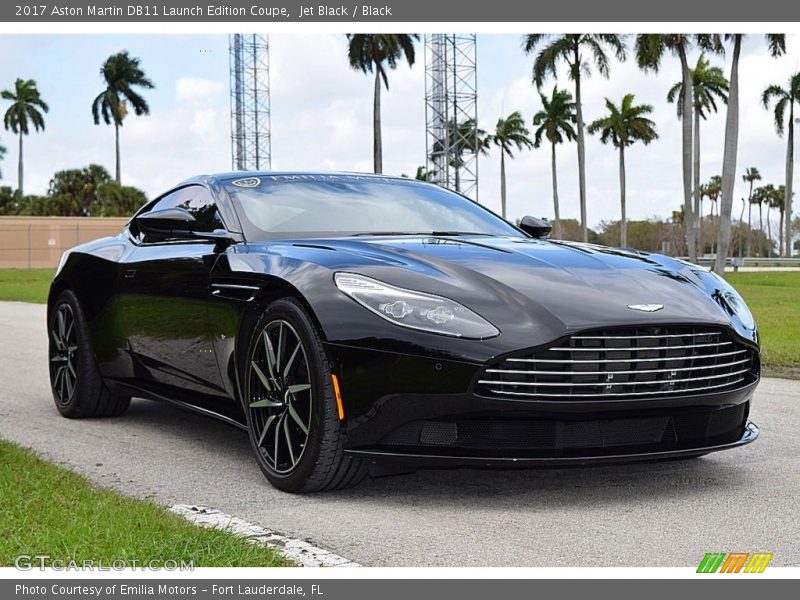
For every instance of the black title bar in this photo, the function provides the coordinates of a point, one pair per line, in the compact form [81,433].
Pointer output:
[441,11]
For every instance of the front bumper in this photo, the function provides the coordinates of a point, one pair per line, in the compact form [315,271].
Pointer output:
[410,409]
[401,459]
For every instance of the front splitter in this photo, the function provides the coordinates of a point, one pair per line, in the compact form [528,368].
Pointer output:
[444,461]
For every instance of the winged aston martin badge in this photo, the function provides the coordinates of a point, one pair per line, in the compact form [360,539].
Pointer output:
[646,307]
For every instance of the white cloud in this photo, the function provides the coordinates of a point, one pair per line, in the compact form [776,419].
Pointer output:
[196,90]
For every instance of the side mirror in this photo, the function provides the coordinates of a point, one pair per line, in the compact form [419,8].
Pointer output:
[168,222]
[179,223]
[538,228]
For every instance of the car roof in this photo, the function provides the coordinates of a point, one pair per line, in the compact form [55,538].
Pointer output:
[299,175]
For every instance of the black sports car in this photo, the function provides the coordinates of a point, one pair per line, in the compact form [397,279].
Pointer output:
[352,323]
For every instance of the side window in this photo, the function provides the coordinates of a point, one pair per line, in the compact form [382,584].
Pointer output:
[198,201]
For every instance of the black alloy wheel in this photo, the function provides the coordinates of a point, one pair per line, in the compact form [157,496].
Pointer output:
[76,382]
[292,416]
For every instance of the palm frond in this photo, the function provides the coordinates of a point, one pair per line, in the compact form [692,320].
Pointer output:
[776,42]
[546,62]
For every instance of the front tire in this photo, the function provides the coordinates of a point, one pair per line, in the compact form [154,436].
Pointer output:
[291,409]
[78,388]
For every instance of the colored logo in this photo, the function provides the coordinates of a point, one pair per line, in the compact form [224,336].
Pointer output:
[734,562]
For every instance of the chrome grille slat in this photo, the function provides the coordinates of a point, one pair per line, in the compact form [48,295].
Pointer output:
[700,359]
[612,383]
[628,360]
[630,337]
[696,389]
[630,348]
[638,371]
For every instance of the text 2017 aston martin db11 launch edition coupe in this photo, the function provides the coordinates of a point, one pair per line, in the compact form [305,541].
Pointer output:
[353,322]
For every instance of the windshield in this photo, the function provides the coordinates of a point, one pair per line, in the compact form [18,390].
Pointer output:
[285,206]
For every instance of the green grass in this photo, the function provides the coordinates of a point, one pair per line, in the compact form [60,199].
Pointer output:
[47,509]
[774,298]
[25,285]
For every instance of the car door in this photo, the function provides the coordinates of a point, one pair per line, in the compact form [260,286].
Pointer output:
[165,304]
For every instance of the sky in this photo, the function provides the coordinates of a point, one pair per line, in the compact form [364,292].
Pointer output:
[322,118]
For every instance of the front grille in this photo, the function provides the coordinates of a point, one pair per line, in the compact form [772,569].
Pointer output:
[624,363]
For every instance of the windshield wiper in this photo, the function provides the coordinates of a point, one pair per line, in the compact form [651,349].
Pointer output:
[432,233]
[456,233]
[387,233]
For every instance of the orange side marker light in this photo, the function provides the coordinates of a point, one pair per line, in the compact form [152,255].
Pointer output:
[338,394]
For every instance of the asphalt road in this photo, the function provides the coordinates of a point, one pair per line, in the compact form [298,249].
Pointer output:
[650,514]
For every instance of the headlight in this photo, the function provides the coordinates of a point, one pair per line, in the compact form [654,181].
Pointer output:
[731,299]
[415,310]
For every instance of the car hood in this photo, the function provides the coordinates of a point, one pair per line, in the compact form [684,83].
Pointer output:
[533,291]
[580,285]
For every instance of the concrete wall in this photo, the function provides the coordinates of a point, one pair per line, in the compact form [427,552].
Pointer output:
[37,242]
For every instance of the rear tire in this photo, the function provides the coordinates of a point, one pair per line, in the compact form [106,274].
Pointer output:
[291,409]
[78,388]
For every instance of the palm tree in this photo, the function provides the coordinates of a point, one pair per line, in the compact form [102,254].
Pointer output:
[712,191]
[708,85]
[785,98]
[509,133]
[779,202]
[555,122]
[579,52]
[121,73]
[623,126]
[373,53]
[768,194]
[777,46]
[26,109]
[751,175]
[650,49]
[461,138]
[760,197]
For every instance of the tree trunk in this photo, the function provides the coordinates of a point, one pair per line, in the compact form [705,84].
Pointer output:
[750,220]
[787,202]
[740,228]
[555,195]
[780,234]
[713,242]
[19,165]
[698,223]
[686,138]
[699,216]
[769,234]
[503,183]
[116,141]
[623,224]
[581,149]
[377,145]
[729,161]
[760,225]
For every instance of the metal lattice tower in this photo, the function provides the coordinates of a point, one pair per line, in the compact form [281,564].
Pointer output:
[251,142]
[451,111]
